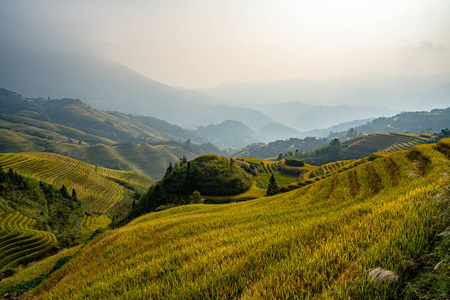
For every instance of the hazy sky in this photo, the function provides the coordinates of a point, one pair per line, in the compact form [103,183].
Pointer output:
[203,43]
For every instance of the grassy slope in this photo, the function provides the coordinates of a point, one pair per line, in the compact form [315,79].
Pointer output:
[122,121]
[11,141]
[319,241]
[57,131]
[265,168]
[380,142]
[44,266]
[91,183]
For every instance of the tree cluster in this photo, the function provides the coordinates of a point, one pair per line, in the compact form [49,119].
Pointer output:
[56,210]
[209,174]
[328,153]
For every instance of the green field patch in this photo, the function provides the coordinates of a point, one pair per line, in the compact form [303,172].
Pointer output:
[263,179]
[253,193]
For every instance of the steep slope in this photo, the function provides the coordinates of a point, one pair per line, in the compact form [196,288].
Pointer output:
[319,241]
[21,242]
[35,219]
[72,113]
[99,188]
[381,142]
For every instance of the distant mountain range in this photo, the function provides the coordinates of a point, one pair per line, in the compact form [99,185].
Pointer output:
[271,110]
[306,117]
[406,122]
[110,86]
[401,93]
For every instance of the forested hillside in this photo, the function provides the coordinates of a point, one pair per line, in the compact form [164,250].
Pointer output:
[406,122]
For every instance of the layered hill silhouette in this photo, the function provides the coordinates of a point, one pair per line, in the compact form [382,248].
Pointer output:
[110,86]
[421,92]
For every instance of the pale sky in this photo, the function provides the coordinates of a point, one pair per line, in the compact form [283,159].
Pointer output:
[204,43]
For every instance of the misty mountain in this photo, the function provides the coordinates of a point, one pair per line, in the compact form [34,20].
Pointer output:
[406,122]
[305,117]
[252,118]
[325,132]
[403,93]
[440,96]
[228,134]
[277,131]
[110,86]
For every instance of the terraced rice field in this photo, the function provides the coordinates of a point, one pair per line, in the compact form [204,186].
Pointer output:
[262,165]
[317,242]
[380,142]
[134,178]
[330,167]
[322,172]
[91,223]
[20,242]
[91,183]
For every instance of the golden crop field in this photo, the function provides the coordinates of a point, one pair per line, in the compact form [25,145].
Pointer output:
[262,165]
[316,242]
[90,223]
[101,188]
[20,242]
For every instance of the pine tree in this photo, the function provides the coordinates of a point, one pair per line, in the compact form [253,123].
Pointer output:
[3,175]
[272,188]
[169,169]
[74,195]
[63,191]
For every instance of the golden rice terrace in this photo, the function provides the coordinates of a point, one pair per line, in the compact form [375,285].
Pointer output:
[320,241]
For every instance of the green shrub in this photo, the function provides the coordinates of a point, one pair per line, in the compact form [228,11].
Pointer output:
[294,162]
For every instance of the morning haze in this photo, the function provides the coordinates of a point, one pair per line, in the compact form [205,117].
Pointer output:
[202,44]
